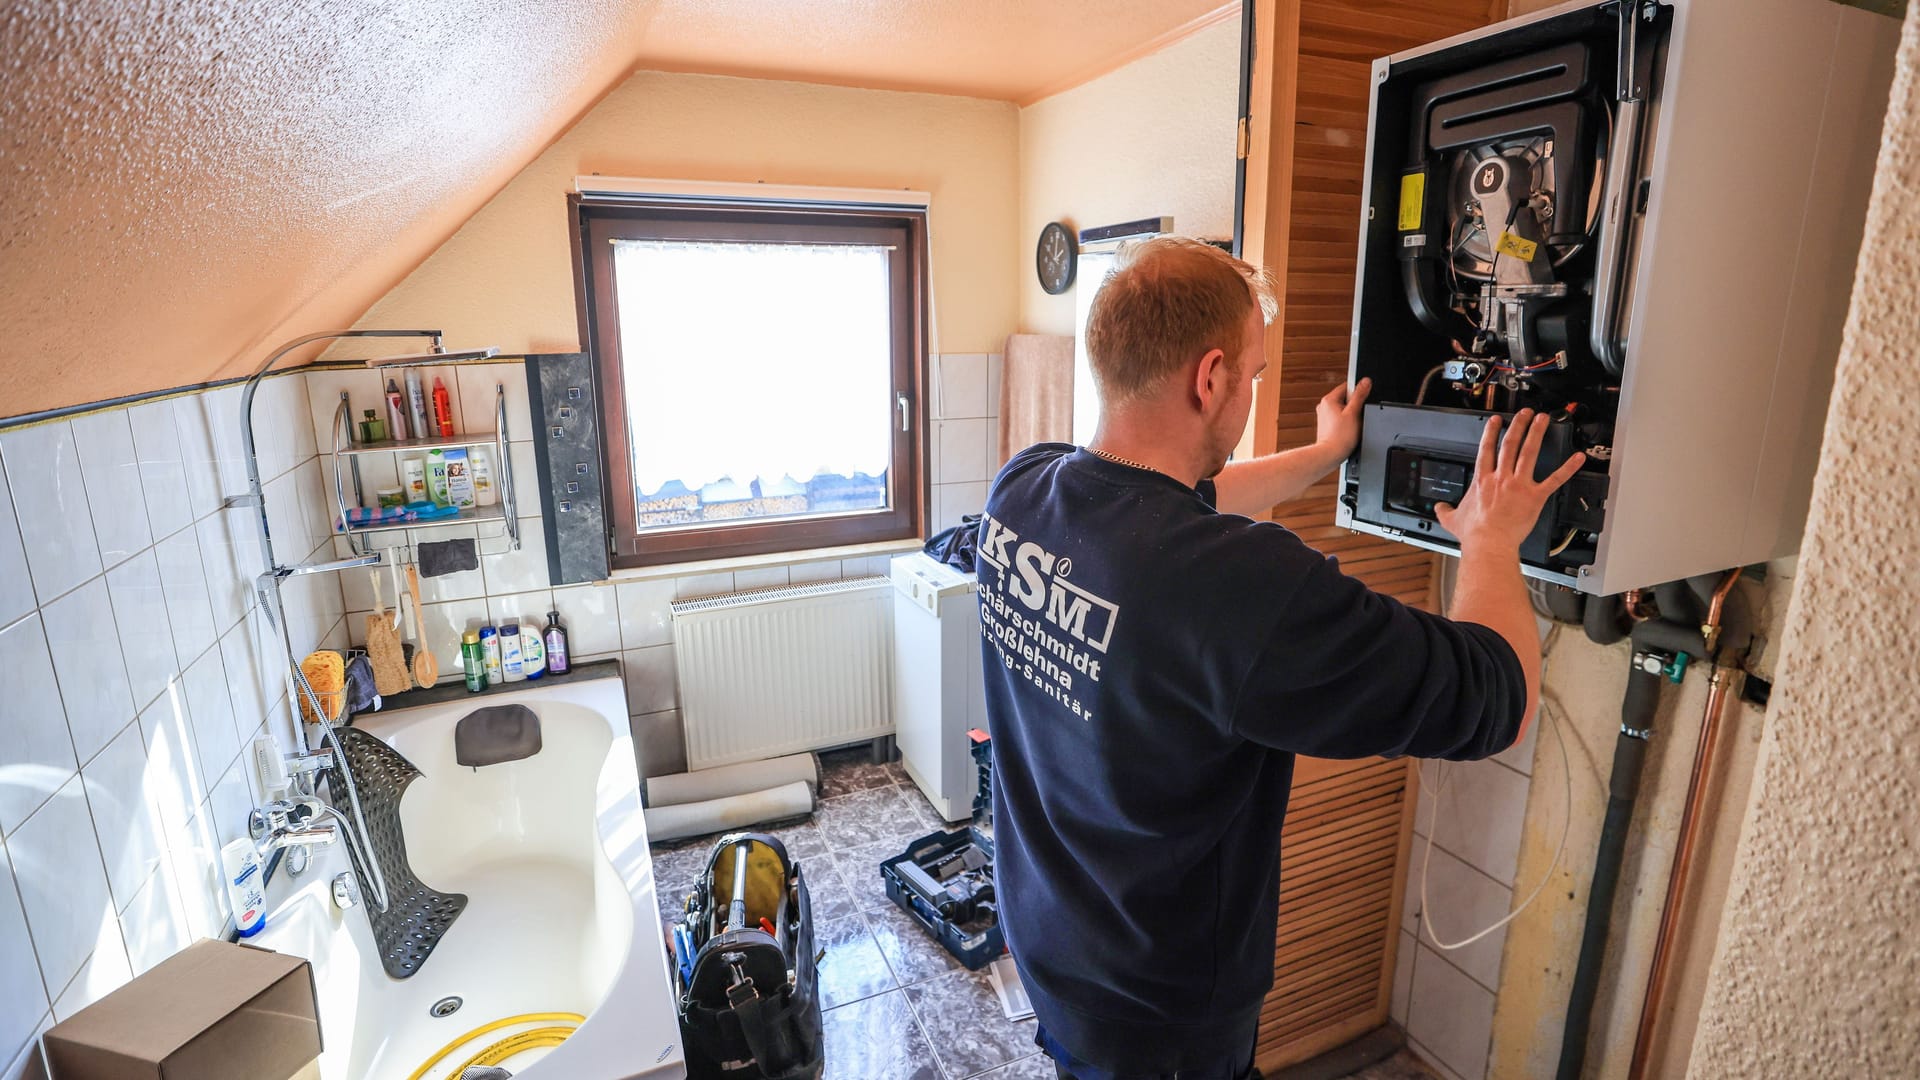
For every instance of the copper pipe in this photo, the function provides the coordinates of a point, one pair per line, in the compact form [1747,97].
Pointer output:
[1705,759]
[1635,609]
[1710,630]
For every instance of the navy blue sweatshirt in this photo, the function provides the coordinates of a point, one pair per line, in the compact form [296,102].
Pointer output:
[1152,667]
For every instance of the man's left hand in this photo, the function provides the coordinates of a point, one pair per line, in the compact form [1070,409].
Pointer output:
[1337,420]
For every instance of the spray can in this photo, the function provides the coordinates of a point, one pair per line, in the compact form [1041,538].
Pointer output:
[442,409]
[417,406]
[396,412]
[474,659]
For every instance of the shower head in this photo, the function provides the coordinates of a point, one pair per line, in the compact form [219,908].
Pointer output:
[437,357]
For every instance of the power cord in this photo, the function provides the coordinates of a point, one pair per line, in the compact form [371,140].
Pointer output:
[1551,714]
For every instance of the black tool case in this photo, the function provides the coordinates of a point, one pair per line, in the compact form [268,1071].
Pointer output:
[945,879]
[749,989]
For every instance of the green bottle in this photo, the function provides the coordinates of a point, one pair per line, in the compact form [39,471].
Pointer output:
[474,660]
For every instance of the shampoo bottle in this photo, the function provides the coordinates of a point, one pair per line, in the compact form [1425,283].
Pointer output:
[490,654]
[245,880]
[557,663]
[510,653]
[437,478]
[533,654]
[482,470]
[396,412]
[413,477]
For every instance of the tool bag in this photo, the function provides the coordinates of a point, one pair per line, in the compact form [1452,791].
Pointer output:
[749,993]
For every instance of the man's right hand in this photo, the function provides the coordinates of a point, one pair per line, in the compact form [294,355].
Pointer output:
[1503,503]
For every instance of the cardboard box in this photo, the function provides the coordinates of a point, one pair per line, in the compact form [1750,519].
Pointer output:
[213,1011]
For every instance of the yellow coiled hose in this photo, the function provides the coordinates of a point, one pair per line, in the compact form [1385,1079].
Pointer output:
[563,1025]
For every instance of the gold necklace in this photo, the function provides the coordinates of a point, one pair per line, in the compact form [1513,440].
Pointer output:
[1118,460]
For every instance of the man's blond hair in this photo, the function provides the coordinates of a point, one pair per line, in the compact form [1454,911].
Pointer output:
[1167,301]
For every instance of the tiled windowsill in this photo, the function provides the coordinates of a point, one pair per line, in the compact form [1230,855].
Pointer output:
[756,562]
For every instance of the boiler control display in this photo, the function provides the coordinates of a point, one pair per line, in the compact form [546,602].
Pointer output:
[1418,480]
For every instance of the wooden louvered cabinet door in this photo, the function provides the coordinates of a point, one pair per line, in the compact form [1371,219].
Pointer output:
[1348,831]
[1343,858]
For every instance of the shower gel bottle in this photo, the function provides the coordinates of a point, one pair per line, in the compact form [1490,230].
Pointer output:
[557,663]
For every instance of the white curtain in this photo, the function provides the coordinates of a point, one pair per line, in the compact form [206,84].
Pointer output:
[745,360]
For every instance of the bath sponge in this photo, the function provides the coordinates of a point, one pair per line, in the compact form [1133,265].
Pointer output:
[326,672]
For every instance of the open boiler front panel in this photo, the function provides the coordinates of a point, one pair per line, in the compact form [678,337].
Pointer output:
[1641,219]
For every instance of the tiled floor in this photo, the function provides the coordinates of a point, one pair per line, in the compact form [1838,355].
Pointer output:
[898,1007]
[1401,1066]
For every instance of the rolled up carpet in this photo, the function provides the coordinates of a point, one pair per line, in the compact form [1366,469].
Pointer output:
[706,816]
[740,779]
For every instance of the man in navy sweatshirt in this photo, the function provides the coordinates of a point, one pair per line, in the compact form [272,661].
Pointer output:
[1155,658]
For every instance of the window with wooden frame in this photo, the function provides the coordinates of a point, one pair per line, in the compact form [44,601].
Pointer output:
[760,371]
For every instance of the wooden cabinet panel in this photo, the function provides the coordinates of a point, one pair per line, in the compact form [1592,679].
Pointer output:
[1348,830]
[1342,869]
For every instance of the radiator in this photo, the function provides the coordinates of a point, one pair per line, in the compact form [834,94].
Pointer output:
[778,671]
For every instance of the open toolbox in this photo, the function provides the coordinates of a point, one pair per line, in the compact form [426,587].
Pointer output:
[945,879]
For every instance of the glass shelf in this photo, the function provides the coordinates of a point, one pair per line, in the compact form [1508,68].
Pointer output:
[401,446]
[472,514]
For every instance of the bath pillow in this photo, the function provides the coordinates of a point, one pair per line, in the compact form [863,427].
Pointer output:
[496,734]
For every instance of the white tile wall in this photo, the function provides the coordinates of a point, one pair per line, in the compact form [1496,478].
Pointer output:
[85,647]
[135,676]
[112,471]
[16,587]
[23,994]
[964,448]
[146,635]
[35,748]
[50,507]
[163,471]
[1483,804]
[1450,1017]
[1444,998]
[63,884]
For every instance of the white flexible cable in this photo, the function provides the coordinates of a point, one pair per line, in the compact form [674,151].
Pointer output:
[1566,822]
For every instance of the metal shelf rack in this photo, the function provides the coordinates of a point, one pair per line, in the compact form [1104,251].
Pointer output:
[346,452]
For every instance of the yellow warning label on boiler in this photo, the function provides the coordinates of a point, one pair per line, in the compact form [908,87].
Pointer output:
[1512,245]
[1413,199]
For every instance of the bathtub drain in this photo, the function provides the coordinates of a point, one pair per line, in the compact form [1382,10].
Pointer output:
[446,1006]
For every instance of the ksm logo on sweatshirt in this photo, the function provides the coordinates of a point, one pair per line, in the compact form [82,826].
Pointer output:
[1037,579]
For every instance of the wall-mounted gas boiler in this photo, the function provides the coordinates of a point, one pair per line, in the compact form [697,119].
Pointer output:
[1641,218]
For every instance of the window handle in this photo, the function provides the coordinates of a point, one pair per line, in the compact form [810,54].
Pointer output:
[906,411]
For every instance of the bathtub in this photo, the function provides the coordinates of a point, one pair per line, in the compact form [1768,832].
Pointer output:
[551,851]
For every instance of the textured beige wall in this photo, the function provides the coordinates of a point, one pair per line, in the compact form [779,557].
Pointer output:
[506,278]
[1818,969]
[1155,137]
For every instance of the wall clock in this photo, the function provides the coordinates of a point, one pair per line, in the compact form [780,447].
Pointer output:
[1053,258]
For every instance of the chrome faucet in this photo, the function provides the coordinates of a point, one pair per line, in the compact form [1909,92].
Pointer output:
[286,824]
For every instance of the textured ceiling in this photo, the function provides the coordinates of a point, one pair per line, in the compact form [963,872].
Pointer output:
[1013,50]
[186,183]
